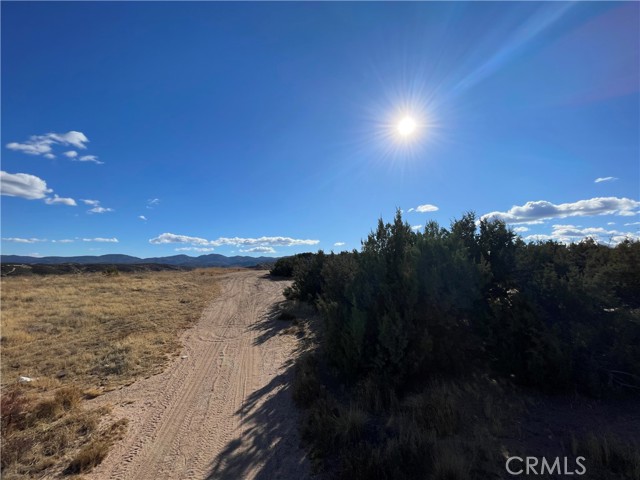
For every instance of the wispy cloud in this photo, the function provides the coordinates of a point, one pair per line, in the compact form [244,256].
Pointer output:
[41,144]
[153,202]
[100,210]
[259,250]
[235,241]
[56,200]
[89,158]
[142,217]
[416,227]
[520,229]
[97,208]
[195,249]
[101,239]
[631,224]
[339,244]
[62,240]
[605,179]
[540,210]
[37,145]
[23,240]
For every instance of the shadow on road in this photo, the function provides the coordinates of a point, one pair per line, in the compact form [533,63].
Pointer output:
[272,324]
[269,447]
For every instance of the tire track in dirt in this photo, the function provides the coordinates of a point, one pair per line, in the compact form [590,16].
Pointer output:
[225,410]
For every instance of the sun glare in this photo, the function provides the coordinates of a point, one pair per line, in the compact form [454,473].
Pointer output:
[400,128]
[407,126]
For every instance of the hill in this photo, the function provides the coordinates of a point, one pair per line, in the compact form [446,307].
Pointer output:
[211,260]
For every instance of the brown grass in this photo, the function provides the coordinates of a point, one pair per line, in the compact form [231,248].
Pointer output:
[78,336]
[95,451]
[606,454]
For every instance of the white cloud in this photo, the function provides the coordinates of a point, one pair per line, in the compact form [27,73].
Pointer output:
[96,206]
[263,241]
[520,229]
[259,250]
[339,244]
[89,158]
[605,179]
[35,255]
[32,147]
[60,200]
[542,210]
[23,185]
[28,186]
[424,208]
[73,138]
[538,238]
[195,249]
[41,144]
[64,240]
[613,223]
[101,239]
[530,222]
[100,210]
[631,224]
[71,154]
[23,240]
[616,239]
[153,202]
[416,227]
[49,155]
[235,241]
[575,233]
[142,217]
[173,238]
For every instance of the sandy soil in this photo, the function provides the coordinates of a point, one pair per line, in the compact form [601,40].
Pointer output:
[225,410]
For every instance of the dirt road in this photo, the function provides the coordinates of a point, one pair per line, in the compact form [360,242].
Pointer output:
[224,411]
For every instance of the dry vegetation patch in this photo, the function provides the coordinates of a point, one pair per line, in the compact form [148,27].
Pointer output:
[78,336]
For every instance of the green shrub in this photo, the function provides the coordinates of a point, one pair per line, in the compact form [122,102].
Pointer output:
[411,309]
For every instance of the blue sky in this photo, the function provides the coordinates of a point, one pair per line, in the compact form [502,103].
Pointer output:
[271,128]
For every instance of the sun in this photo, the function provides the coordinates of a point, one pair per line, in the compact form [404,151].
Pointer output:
[407,126]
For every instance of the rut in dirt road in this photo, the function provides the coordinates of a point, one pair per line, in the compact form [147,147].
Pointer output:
[224,411]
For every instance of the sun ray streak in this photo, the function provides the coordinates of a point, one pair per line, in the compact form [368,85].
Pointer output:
[522,37]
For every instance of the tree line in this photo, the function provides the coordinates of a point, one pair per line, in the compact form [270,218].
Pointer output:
[411,305]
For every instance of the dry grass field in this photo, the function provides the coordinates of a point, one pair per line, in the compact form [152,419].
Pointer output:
[77,336]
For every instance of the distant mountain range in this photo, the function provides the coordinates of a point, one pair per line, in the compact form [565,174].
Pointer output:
[211,260]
